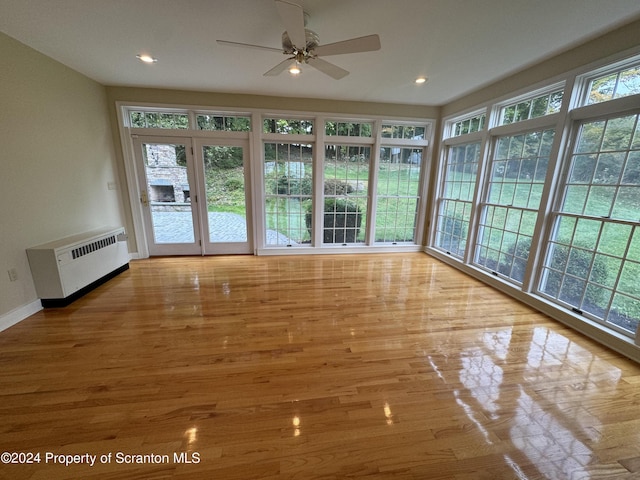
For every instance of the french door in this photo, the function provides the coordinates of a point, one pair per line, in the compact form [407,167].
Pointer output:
[193,196]
[224,186]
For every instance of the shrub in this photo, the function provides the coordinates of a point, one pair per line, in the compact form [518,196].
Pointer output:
[515,263]
[333,186]
[233,184]
[294,186]
[577,262]
[454,234]
[342,220]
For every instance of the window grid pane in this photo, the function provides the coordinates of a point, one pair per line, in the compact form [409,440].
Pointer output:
[454,213]
[346,187]
[504,240]
[596,275]
[518,170]
[398,188]
[288,190]
[604,178]
[453,226]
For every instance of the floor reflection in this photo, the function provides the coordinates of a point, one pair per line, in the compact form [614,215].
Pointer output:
[546,442]
[523,392]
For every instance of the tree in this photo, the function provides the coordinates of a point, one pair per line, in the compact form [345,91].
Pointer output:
[222,157]
[615,85]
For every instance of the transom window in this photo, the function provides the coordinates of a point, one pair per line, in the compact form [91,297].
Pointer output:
[151,119]
[287,126]
[348,129]
[223,123]
[535,107]
[468,125]
[621,83]
[412,132]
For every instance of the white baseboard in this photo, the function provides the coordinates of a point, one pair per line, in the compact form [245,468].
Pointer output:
[17,315]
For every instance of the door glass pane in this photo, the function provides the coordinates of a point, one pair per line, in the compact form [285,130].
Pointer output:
[168,192]
[225,194]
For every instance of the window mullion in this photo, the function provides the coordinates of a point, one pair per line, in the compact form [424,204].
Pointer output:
[480,193]
[373,183]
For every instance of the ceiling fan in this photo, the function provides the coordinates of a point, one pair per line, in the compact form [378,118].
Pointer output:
[301,45]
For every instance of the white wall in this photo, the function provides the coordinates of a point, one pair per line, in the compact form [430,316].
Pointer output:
[57,157]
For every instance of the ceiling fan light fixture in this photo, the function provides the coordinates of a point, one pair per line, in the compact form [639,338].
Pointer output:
[295,69]
[146,58]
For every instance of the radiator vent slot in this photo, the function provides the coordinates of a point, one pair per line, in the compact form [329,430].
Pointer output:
[92,247]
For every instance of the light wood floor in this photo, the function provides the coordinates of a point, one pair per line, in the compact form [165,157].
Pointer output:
[315,367]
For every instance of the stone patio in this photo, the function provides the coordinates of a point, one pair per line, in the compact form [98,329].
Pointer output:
[176,227]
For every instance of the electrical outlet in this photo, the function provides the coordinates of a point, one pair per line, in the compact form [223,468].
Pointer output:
[13,274]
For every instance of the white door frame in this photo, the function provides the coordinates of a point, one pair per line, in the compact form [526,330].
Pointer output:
[154,248]
[222,248]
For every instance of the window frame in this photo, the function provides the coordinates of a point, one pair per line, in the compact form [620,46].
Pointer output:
[565,123]
[486,204]
[471,139]
[579,116]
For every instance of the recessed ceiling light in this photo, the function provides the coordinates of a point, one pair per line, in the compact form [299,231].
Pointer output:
[421,80]
[146,58]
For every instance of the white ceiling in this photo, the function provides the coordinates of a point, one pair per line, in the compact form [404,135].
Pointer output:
[459,45]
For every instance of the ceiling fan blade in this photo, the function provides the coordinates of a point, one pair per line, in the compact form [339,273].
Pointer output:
[278,69]
[248,45]
[355,45]
[327,68]
[292,17]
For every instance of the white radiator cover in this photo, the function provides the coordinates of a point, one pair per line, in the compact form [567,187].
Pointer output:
[63,267]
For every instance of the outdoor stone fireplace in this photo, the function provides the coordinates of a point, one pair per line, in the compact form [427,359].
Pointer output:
[162,190]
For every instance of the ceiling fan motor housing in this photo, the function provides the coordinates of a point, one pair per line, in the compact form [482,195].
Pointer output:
[311,38]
